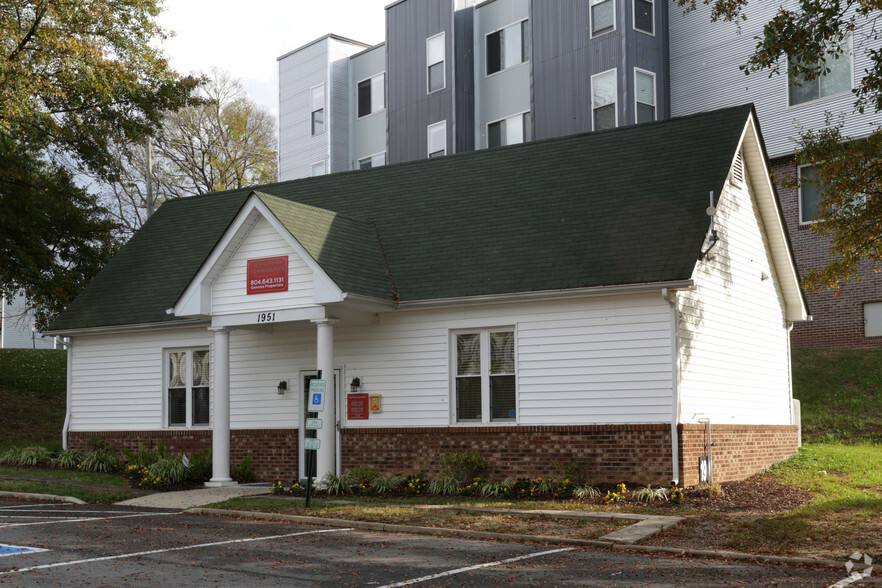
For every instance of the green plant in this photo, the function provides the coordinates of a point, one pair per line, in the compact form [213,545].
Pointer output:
[11,456]
[612,497]
[675,494]
[650,494]
[522,488]
[336,485]
[586,492]
[709,490]
[99,460]
[471,489]
[414,484]
[277,487]
[443,486]
[577,470]
[564,490]
[243,473]
[67,459]
[200,469]
[97,443]
[544,487]
[363,474]
[163,473]
[496,489]
[462,465]
[384,484]
[33,456]
[143,457]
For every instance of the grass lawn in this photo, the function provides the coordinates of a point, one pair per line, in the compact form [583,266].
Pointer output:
[33,394]
[92,487]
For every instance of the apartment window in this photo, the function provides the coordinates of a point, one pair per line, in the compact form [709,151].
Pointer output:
[643,16]
[318,169]
[371,95]
[317,97]
[644,95]
[835,81]
[485,376]
[809,194]
[435,72]
[187,387]
[372,161]
[603,17]
[508,47]
[437,139]
[603,100]
[509,131]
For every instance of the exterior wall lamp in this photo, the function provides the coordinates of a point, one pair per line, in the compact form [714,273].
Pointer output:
[355,385]
[283,387]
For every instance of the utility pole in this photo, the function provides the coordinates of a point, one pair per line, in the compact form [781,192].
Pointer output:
[149,177]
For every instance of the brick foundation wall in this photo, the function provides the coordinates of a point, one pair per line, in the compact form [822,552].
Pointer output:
[738,450]
[273,452]
[838,321]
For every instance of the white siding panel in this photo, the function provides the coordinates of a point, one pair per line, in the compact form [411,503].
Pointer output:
[705,75]
[732,333]
[229,294]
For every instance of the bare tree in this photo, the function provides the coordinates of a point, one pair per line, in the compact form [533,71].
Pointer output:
[226,141]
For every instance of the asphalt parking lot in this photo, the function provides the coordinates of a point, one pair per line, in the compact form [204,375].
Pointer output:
[109,545]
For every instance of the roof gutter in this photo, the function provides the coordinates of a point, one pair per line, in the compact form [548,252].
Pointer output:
[549,294]
[178,324]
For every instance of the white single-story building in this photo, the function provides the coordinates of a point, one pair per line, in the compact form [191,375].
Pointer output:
[18,326]
[598,297]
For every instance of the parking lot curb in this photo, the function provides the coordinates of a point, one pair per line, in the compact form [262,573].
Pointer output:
[43,497]
[731,555]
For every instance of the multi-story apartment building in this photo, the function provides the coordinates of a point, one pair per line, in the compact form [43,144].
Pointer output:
[459,75]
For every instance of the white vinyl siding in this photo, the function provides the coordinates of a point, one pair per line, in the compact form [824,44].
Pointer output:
[228,293]
[732,334]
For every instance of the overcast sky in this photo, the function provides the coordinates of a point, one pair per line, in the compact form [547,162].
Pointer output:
[246,38]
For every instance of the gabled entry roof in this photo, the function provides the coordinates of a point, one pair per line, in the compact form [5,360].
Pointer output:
[624,206]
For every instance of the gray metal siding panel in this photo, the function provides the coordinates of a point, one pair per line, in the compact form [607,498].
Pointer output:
[339,106]
[298,149]
[705,74]
[649,53]
[464,78]
[409,108]
[367,134]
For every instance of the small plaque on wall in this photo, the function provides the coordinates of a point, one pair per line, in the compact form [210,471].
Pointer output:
[357,407]
[374,402]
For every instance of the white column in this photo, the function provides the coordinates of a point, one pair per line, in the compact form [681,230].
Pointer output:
[220,434]
[326,456]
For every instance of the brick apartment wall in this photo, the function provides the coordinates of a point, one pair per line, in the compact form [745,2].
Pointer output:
[838,321]
[738,450]
[273,452]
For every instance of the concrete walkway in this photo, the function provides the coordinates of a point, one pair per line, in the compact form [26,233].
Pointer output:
[184,499]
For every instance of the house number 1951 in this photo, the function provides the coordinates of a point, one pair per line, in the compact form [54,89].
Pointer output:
[266,317]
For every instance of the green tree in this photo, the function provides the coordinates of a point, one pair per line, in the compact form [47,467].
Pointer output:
[76,76]
[803,38]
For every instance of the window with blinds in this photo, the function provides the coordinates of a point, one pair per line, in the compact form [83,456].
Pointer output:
[188,388]
[485,386]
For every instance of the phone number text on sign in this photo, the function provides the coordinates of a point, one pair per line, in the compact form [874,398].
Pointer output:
[269,274]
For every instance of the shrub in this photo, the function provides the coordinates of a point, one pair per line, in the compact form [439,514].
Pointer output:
[200,469]
[650,494]
[586,492]
[67,459]
[544,487]
[496,489]
[163,473]
[97,443]
[99,460]
[243,473]
[363,474]
[577,470]
[11,455]
[336,485]
[144,457]
[383,484]
[462,465]
[443,486]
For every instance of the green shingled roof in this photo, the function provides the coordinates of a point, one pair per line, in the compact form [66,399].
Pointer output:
[624,206]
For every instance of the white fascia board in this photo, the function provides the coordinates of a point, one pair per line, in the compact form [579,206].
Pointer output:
[277,316]
[178,324]
[196,299]
[774,227]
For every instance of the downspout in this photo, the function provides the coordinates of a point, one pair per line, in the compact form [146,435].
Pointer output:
[670,297]
[68,343]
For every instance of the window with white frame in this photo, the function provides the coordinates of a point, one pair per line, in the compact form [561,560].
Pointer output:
[437,137]
[644,95]
[835,81]
[435,70]
[603,17]
[509,131]
[644,20]
[485,388]
[318,169]
[372,95]
[317,106]
[508,47]
[809,194]
[187,387]
[603,100]
[372,161]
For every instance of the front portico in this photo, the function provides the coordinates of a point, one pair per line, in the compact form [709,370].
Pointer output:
[264,273]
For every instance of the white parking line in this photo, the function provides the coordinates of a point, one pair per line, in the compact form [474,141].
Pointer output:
[155,551]
[85,519]
[475,567]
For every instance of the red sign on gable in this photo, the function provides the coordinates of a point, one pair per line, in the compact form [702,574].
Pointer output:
[269,274]
[357,406]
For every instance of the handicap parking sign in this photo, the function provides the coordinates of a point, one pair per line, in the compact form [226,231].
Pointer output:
[317,389]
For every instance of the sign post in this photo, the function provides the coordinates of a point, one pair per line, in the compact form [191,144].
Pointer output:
[317,389]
